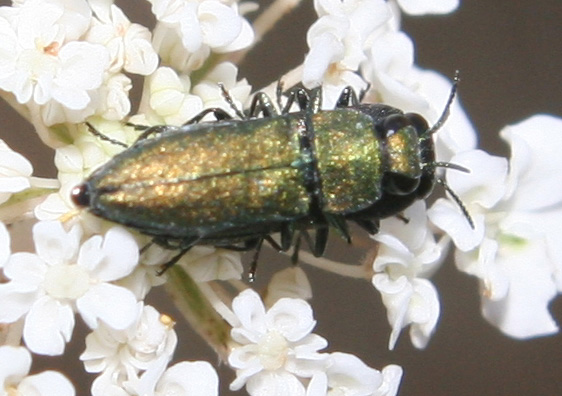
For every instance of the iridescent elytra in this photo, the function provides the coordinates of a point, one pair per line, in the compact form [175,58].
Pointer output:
[234,182]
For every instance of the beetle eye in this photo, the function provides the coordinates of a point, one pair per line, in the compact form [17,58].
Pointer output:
[393,123]
[418,122]
[80,195]
[397,184]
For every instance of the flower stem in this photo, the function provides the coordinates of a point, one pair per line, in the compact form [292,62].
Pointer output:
[193,303]
[349,270]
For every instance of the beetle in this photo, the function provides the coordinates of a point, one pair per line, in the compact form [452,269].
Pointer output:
[232,183]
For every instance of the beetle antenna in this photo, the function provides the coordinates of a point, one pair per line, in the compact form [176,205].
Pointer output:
[447,110]
[450,165]
[456,198]
[226,95]
[458,201]
[103,137]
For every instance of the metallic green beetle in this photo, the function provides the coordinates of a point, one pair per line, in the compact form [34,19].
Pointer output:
[234,182]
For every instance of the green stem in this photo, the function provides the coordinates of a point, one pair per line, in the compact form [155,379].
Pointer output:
[197,310]
[349,270]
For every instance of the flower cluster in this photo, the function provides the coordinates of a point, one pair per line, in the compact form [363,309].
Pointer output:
[66,67]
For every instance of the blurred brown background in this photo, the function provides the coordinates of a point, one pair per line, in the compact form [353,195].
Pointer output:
[510,57]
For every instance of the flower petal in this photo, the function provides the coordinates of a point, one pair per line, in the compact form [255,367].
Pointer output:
[291,317]
[535,162]
[47,383]
[189,378]
[48,326]
[523,312]
[119,314]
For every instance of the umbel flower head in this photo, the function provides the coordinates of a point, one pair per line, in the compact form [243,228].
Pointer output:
[69,67]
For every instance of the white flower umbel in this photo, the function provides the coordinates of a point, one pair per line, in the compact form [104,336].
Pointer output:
[183,378]
[517,209]
[338,40]
[407,255]
[146,345]
[64,61]
[200,27]
[347,375]
[276,350]
[396,81]
[205,263]
[169,100]
[15,171]
[15,363]
[129,44]
[225,73]
[46,288]
[277,354]
[43,64]
[19,191]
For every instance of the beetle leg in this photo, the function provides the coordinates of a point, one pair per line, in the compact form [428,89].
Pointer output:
[219,114]
[340,224]
[318,246]
[137,127]
[371,226]
[254,263]
[185,243]
[320,241]
[315,102]
[247,245]
[300,95]
[166,266]
[347,98]
[287,236]
[154,130]
[262,103]
[401,216]
[296,248]
[279,94]
[273,243]
[364,91]
[145,247]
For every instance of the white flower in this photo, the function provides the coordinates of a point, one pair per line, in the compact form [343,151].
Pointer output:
[113,97]
[396,81]
[46,288]
[172,52]
[43,64]
[421,7]
[170,101]
[200,25]
[120,355]
[514,249]
[128,43]
[204,264]
[290,282]
[15,363]
[15,171]
[345,375]
[337,40]
[407,255]
[277,348]
[183,378]
[391,377]
[211,94]
[4,245]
